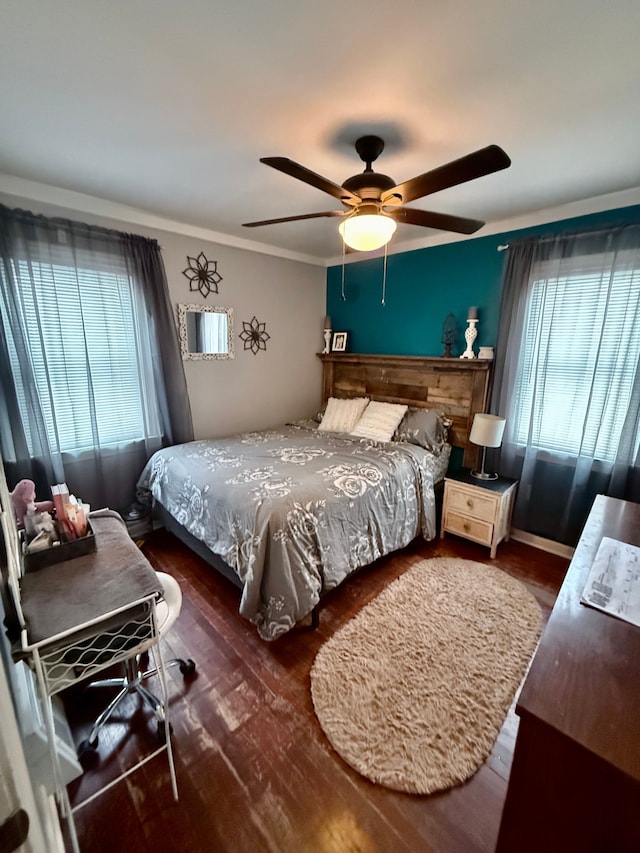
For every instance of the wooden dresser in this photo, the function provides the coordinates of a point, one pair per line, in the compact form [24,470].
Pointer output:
[575,779]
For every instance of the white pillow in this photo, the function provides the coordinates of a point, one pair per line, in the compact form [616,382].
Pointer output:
[379,421]
[342,415]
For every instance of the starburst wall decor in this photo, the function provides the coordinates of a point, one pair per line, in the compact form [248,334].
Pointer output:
[254,335]
[203,274]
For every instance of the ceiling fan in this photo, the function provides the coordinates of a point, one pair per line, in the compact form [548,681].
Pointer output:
[374,203]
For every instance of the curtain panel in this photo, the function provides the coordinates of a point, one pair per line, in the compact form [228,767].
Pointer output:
[567,375]
[92,380]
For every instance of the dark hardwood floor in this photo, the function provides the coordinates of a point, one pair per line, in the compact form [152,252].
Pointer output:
[255,771]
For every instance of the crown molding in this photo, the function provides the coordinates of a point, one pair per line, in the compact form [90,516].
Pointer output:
[611,201]
[48,194]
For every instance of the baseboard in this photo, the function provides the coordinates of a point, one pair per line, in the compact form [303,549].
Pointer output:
[543,544]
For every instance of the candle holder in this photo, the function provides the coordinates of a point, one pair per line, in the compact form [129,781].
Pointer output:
[470,334]
[327,336]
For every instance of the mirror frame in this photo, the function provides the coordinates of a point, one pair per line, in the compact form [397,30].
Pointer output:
[184,341]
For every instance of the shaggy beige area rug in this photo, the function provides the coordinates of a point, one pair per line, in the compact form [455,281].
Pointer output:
[412,692]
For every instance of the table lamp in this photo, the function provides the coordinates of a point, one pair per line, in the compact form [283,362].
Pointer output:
[486,431]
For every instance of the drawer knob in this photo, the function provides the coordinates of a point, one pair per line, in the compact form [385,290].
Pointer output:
[466,527]
[470,503]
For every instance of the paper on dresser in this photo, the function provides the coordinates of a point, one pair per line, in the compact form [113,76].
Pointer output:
[613,585]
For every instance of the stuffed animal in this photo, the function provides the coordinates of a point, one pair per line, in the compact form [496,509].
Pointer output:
[22,496]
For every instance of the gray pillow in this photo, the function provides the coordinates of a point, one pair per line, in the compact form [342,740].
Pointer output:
[319,415]
[424,427]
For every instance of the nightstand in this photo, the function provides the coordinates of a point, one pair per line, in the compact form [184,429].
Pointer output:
[479,510]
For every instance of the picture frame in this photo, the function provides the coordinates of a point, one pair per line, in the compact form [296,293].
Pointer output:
[339,342]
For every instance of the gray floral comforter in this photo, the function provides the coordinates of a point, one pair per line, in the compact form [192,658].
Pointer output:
[294,511]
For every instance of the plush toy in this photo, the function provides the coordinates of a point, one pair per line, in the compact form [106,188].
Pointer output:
[22,496]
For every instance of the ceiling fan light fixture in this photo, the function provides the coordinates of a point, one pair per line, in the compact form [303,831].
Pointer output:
[365,232]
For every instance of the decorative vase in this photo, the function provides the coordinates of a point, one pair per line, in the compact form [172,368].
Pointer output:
[470,334]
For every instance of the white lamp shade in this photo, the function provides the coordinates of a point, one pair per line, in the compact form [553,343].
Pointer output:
[487,430]
[365,232]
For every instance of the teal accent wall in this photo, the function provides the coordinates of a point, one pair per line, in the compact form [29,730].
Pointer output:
[425,285]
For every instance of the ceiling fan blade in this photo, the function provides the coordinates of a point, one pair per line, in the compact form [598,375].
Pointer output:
[475,165]
[295,170]
[294,218]
[442,221]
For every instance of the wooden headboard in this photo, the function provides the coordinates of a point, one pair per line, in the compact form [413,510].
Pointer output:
[458,387]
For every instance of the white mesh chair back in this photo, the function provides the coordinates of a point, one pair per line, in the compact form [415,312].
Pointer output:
[13,546]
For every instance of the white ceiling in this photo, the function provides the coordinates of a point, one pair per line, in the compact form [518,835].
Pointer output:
[167,106]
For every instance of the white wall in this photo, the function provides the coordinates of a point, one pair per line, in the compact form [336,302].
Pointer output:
[250,391]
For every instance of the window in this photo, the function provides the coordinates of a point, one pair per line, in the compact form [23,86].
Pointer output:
[579,356]
[92,378]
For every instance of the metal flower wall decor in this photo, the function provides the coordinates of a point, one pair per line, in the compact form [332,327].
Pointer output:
[254,335]
[203,274]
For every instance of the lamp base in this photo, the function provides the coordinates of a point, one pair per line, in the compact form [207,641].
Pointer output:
[482,475]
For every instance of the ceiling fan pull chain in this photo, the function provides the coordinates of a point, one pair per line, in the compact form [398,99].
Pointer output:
[344,298]
[384,275]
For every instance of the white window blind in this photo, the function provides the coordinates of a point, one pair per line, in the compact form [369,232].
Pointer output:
[579,357]
[92,379]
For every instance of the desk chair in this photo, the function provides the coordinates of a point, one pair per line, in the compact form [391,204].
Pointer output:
[167,611]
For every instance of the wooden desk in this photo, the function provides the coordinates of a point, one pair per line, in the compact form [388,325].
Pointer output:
[575,780]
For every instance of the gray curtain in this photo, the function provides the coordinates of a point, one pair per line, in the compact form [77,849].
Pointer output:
[34,248]
[557,488]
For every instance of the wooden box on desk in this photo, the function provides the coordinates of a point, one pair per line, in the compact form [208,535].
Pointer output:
[59,553]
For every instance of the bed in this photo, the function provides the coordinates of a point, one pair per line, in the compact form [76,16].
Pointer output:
[288,513]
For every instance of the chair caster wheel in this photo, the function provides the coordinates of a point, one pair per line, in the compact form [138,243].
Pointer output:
[87,746]
[162,730]
[87,753]
[188,667]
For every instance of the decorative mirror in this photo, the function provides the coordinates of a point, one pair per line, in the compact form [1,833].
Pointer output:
[206,331]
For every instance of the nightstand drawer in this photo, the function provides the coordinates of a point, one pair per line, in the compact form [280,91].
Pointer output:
[470,528]
[472,502]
